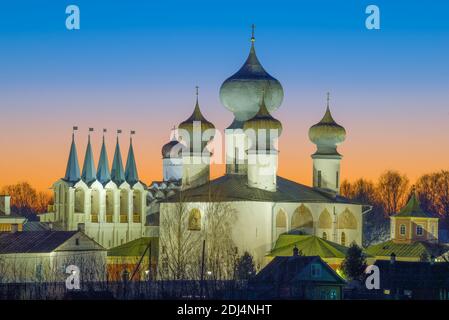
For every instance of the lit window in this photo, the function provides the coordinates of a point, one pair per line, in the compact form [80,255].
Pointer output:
[402,229]
[333,294]
[194,220]
[419,230]
[315,270]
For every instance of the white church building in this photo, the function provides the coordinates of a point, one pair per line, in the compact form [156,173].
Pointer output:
[266,204]
[108,204]
[114,207]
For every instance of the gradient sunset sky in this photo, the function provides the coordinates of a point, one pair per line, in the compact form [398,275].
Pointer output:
[135,64]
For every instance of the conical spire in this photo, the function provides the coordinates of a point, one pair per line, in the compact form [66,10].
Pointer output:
[89,172]
[131,175]
[117,172]
[72,172]
[103,174]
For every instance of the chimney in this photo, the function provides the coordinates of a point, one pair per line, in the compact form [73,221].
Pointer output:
[5,204]
[392,258]
[295,251]
[14,228]
[81,227]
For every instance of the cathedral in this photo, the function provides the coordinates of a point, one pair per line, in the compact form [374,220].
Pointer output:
[114,207]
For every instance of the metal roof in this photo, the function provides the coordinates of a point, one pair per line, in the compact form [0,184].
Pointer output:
[33,241]
[235,188]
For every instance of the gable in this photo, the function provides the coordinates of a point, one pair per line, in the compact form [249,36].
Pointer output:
[80,242]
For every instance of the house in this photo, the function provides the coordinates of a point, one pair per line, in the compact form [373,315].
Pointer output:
[7,218]
[413,280]
[297,277]
[43,256]
[133,259]
[414,236]
[332,253]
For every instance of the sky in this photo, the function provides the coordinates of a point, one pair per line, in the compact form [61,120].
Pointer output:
[134,65]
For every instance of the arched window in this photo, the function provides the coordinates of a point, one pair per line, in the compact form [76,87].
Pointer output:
[137,202]
[124,202]
[281,223]
[346,220]
[109,202]
[325,220]
[343,239]
[195,220]
[302,218]
[95,202]
[324,235]
[79,200]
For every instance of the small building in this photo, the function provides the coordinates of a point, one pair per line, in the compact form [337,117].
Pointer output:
[9,220]
[330,252]
[133,258]
[298,277]
[414,236]
[413,280]
[43,256]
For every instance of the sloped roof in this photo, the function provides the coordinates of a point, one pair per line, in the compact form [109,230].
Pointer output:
[89,171]
[33,241]
[103,174]
[309,245]
[117,172]
[131,175]
[415,249]
[135,248]
[72,172]
[233,187]
[413,209]
[286,269]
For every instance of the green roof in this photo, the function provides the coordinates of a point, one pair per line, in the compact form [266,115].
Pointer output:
[309,245]
[135,248]
[413,209]
[415,249]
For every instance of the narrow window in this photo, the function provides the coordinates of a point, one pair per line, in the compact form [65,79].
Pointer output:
[324,235]
[319,179]
[402,229]
[343,239]
[337,179]
[236,165]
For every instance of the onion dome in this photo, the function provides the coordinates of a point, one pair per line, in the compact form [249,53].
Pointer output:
[263,120]
[172,149]
[327,134]
[190,125]
[241,92]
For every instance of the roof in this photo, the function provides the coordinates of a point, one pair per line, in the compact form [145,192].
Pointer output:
[309,245]
[42,226]
[415,249]
[405,274]
[117,172]
[72,172]
[103,174]
[413,209]
[287,269]
[135,248]
[89,172]
[33,241]
[233,187]
[131,174]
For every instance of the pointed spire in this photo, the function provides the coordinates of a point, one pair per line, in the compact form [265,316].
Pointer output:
[103,174]
[117,172]
[253,27]
[72,172]
[89,172]
[327,118]
[131,175]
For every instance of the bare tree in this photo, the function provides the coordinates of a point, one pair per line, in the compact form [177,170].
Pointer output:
[392,190]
